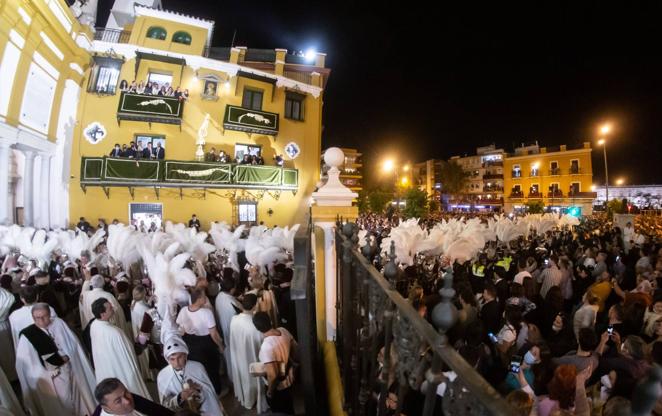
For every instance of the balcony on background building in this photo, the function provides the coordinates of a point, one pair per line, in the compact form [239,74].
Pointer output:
[489,176]
[516,194]
[557,193]
[582,195]
[492,188]
[575,170]
[250,121]
[132,173]
[516,174]
[534,173]
[150,108]
[490,163]
[535,195]
[112,35]
[554,172]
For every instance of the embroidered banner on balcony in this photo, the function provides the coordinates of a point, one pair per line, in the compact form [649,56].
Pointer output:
[257,175]
[197,172]
[252,121]
[150,105]
[131,170]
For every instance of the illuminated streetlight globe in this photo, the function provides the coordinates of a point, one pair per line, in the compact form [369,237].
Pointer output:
[388,165]
[601,142]
[605,129]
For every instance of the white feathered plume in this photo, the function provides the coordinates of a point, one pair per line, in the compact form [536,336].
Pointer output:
[122,245]
[191,240]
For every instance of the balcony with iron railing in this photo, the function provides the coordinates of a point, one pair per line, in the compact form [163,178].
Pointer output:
[557,193]
[575,170]
[492,176]
[535,195]
[112,35]
[492,188]
[534,173]
[109,172]
[515,194]
[490,163]
[516,174]
[555,172]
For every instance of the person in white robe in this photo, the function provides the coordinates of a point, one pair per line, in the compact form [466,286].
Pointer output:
[227,307]
[113,352]
[184,384]
[8,400]
[97,292]
[245,344]
[22,317]
[48,363]
[266,301]
[138,310]
[7,357]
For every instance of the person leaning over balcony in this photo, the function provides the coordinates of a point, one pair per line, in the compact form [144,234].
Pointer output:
[116,152]
[223,157]
[258,159]
[133,86]
[148,88]
[185,95]
[178,93]
[124,85]
[210,156]
[140,88]
[148,152]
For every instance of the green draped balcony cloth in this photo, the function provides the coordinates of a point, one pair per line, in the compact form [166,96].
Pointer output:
[107,171]
[198,172]
[131,170]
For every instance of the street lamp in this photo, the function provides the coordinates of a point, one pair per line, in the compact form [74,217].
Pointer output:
[620,181]
[604,130]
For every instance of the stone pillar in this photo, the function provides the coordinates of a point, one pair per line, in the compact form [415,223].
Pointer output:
[5,167]
[28,188]
[331,200]
[44,199]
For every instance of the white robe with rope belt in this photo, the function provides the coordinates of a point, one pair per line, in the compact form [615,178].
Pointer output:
[7,357]
[138,311]
[22,318]
[245,344]
[170,385]
[118,318]
[66,390]
[114,356]
[225,311]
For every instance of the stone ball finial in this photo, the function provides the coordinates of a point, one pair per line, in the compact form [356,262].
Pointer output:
[334,157]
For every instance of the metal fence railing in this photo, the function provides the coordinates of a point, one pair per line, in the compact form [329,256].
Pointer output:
[372,313]
[112,35]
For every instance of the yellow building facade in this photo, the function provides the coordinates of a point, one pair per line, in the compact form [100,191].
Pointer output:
[264,101]
[560,178]
[43,55]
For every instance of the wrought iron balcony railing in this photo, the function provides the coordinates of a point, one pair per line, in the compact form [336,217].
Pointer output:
[516,194]
[112,35]
[124,172]
[535,195]
[554,172]
[516,174]
[583,195]
[555,194]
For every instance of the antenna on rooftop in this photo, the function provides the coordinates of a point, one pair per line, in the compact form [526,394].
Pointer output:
[234,35]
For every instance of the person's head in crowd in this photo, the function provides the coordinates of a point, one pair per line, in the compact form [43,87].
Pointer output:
[634,347]
[513,315]
[587,339]
[176,352]
[489,293]
[521,264]
[28,295]
[617,406]
[97,281]
[520,402]
[114,397]
[198,297]
[42,278]
[615,314]
[132,145]
[562,385]
[516,290]
[262,322]
[102,309]
[139,293]
[248,302]
[6,282]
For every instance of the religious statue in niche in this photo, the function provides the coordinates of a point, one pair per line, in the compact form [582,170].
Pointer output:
[210,90]
[292,150]
[95,132]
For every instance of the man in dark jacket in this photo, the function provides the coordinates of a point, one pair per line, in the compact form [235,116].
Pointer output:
[115,399]
[148,152]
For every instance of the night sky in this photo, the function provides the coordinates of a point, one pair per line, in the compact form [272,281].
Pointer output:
[421,83]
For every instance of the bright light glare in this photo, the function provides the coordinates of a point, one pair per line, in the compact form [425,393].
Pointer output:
[388,165]
[620,181]
[601,142]
[592,188]
[406,168]
[310,55]
[605,129]
[404,180]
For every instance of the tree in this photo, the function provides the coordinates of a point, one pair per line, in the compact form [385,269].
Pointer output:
[362,202]
[454,179]
[535,207]
[433,205]
[416,203]
[377,200]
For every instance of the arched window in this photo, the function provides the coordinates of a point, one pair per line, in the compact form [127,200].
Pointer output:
[157,32]
[182,37]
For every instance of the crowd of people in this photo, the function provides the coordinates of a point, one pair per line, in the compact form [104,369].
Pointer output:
[137,151]
[565,321]
[153,88]
[90,319]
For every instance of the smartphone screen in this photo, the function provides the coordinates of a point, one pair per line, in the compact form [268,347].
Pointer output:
[492,337]
[610,329]
[515,363]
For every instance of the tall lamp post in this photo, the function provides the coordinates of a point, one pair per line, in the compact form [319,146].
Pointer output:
[604,130]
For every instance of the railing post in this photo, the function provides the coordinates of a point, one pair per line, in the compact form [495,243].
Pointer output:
[386,368]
